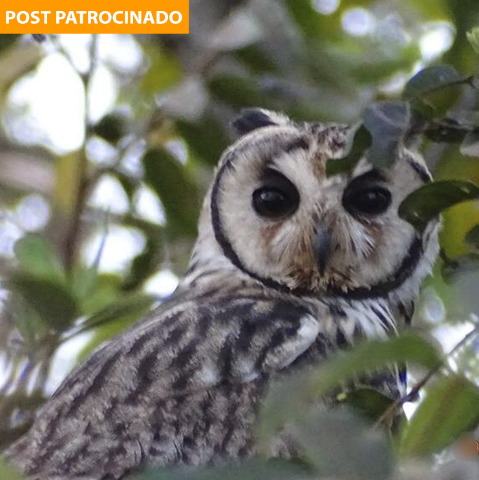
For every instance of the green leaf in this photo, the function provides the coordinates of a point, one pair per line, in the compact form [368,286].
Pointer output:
[289,400]
[254,58]
[248,470]
[371,355]
[106,290]
[30,325]
[112,320]
[177,192]
[312,24]
[112,127]
[120,308]
[434,90]
[472,237]
[473,38]
[368,402]
[36,256]
[387,122]
[206,138]
[49,299]
[238,92]
[427,202]
[360,142]
[7,473]
[144,264]
[448,130]
[164,70]
[374,65]
[429,80]
[128,184]
[343,446]
[85,279]
[431,10]
[6,40]
[450,408]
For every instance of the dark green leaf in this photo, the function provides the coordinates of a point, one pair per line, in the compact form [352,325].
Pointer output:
[429,201]
[144,264]
[112,127]
[387,122]
[370,403]
[206,138]
[289,400]
[36,256]
[86,279]
[374,354]
[128,184]
[29,324]
[111,321]
[238,92]
[450,408]
[107,289]
[177,192]
[120,308]
[429,80]
[435,90]
[51,300]
[472,237]
[359,143]
[257,60]
[249,470]
[448,130]
[6,40]
[343,446]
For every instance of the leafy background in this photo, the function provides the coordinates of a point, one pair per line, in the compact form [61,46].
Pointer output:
[107,144]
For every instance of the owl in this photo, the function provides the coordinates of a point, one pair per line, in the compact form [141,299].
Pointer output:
[289,266]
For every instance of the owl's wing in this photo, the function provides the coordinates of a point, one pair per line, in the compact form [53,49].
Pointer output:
[185,347]
[195,345]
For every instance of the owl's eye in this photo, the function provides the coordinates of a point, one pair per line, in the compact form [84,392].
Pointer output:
[367,201]
[277,197]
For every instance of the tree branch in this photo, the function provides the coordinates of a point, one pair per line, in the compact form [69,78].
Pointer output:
[84,184]
[390,412]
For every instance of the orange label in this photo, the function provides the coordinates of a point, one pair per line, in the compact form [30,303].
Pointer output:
[120,16]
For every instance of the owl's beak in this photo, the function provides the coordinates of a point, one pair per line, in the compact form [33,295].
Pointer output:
[322,248]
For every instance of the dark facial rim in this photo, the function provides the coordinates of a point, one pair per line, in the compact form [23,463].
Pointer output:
[381,289]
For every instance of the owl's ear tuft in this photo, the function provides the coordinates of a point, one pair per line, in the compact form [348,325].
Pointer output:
[250,119]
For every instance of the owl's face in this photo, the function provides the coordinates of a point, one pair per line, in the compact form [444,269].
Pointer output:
[278,217]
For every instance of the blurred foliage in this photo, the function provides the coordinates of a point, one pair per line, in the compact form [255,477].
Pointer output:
[386,66]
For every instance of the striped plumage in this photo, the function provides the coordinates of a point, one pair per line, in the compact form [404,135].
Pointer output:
[262,298]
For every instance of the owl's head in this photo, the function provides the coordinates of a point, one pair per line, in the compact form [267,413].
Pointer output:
[275,214]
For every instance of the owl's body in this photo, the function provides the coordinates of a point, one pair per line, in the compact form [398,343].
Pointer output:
[276,283]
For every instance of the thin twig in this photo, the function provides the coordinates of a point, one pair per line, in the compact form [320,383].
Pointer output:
[391,411]
[52,343]
[25,376]
[84,184]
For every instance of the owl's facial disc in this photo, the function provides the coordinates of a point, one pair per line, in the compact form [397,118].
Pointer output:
[278,217]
